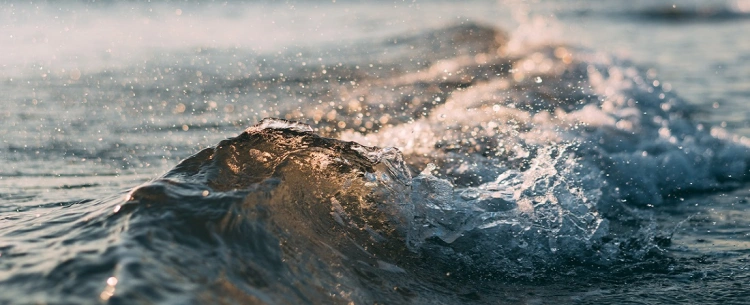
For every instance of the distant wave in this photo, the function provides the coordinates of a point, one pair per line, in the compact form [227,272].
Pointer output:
[691,14]
[669,14]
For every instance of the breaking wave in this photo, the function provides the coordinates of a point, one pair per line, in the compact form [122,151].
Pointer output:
[458,161]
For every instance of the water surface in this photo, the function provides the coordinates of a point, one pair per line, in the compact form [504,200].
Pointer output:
[480,152]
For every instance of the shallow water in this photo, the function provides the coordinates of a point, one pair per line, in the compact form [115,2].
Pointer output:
[593,153]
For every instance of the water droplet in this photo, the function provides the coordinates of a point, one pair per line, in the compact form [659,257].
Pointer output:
[538,80]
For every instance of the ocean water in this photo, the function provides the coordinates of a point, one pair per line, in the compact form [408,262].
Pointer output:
[389,152]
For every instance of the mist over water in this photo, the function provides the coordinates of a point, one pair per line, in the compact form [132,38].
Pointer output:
[423,153]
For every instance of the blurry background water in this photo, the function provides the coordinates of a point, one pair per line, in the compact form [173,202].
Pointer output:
[61,57]
[101,96]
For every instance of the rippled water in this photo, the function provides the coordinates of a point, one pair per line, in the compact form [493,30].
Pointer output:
[480,152]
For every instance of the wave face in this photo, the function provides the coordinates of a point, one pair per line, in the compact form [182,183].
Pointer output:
[286,214]
[461,165]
